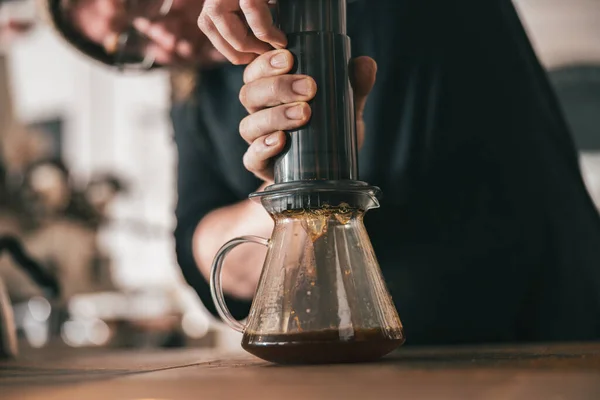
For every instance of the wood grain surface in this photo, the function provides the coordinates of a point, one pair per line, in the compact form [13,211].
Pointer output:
[502,372]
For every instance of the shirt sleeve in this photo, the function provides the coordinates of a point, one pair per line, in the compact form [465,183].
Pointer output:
[200,189]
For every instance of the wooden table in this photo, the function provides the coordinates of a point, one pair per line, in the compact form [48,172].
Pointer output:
[504,372]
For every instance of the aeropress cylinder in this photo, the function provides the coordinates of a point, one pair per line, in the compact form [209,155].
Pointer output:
[324,149]
[319,165]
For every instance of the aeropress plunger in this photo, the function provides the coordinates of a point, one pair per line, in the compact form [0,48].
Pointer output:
[321,297]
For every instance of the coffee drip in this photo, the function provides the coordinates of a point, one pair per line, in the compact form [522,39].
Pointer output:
[321,297]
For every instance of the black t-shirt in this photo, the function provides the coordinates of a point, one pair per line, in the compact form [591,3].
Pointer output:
[485,232]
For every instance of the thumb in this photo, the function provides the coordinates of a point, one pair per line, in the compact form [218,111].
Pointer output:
[363,72]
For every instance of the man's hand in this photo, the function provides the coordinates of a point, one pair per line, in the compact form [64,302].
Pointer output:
[278,101]
[240,29]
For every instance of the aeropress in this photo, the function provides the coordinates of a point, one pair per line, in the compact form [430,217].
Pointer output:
[321,297]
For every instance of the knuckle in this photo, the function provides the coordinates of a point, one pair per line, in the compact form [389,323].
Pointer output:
[248,161]
[238,45]
[248,76]
[269,120]
[251,129]
[256,152]
[260,34]
[278,88]
[204,23]
[259,67]
[244,95]
[264,66]
[244,4]
[213,8]
[237,59]
[243,127]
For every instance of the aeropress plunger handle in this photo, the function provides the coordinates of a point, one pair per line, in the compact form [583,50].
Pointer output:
[216,288]
[326,148]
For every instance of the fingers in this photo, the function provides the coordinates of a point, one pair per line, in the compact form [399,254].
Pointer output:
[276,62]
[276,102]
[157,32]
[363,72]
[282,118]
[167,37]
[258,157]
[212,33]
[160,55]
[240,29]
[260,20]
[273,91]
[234,31]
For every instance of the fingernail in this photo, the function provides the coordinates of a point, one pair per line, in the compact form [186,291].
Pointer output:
[302,86]
[295,112]
[279,60]
[272,139]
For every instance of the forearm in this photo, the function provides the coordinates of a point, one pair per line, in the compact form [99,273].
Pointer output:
[244,264]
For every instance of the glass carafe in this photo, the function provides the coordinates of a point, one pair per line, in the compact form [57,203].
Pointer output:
[321,297]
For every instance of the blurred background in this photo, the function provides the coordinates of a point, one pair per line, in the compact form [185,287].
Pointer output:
[87,180]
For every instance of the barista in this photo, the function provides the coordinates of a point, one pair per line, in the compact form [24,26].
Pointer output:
[486,231]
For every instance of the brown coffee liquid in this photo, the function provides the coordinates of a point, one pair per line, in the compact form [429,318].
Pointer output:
[322,347]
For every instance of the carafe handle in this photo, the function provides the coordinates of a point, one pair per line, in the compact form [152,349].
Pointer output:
[216,290]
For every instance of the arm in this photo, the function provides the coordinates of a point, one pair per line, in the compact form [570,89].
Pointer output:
[244,263]
[208,215]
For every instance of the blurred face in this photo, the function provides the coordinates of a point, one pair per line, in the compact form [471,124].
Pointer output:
[146,31]
[100,195]
[51,187]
